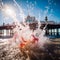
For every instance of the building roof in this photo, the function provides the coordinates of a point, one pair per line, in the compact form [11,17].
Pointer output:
[49,22]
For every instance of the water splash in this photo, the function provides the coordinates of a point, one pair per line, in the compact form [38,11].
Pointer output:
[25,42]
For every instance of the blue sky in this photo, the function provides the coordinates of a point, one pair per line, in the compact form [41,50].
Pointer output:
[37,8]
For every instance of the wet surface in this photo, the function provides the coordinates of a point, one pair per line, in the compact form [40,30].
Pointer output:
[12,52]
[9,52]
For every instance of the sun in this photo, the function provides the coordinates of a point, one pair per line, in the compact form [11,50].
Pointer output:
[9,11]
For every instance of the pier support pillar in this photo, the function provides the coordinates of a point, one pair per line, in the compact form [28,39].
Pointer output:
[51,32]
[57,32]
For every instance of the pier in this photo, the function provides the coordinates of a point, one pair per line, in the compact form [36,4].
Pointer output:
[6,31]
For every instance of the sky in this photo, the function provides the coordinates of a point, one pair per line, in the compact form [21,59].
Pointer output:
[37,8]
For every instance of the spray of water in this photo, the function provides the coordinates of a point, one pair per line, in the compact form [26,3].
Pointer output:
[25,42]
